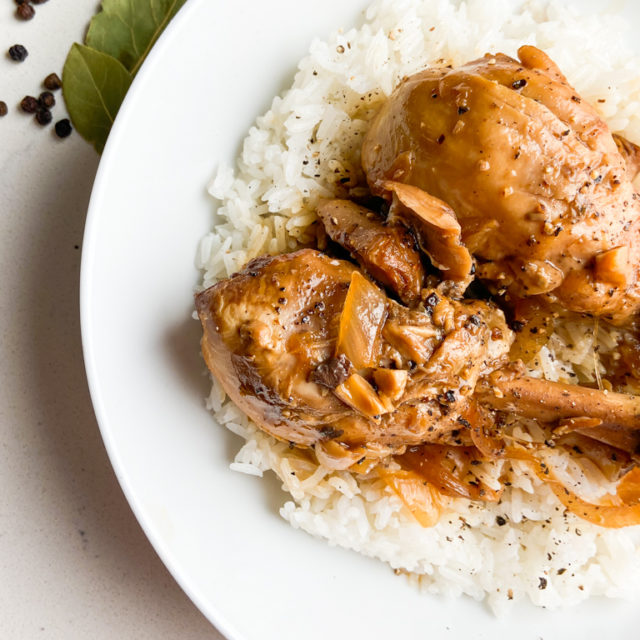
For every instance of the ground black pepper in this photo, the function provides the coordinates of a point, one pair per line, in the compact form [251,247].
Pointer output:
[52,82]
[43,116]
[29,104]
[46,99]
[18,53]
[329,433]
[63,128]
[25,11]
[500,521]
[3,108]
[431,301]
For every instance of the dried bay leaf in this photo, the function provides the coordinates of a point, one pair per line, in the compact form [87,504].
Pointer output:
[94,85]
[127,29]
[97,75]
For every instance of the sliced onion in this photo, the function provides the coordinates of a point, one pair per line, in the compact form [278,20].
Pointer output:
[629,487]
[537,325]
[422,499]
[612,462]
[361,322]
[449,469]
[620,510]
[335,455]
[491,448]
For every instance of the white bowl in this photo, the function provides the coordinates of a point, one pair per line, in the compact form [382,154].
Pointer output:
[214,70]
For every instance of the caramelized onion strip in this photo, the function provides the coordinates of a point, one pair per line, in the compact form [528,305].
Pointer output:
[422,499]
[449,469]
[489,446]
[620,510]
[361,322]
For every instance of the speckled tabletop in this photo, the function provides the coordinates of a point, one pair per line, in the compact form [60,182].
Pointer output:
[74,562]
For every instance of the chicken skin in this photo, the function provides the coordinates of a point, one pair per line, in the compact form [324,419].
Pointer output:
[541,190]
[317,355]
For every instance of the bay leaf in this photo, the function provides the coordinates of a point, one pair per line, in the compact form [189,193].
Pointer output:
[94,85]
[127,29]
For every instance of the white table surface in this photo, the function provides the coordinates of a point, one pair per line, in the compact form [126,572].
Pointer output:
[74,562]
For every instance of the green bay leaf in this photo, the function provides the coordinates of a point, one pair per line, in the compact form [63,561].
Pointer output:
[94,85]
[127,29]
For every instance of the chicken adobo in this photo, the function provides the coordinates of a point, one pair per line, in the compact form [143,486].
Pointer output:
[317,355]
[496,171]
[539,186]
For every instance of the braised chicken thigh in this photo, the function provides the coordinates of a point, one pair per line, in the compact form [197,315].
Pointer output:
[317,355]
[537,183]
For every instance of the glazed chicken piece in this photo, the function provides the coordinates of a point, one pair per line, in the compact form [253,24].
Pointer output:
[541,192]
[317,355]
[612,418]
[386,251]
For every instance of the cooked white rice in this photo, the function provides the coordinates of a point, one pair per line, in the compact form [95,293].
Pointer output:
[307,147]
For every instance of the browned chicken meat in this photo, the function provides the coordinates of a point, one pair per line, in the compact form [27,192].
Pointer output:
[317,355]
[539,187]
[496,170]
[611,418]
[386,251]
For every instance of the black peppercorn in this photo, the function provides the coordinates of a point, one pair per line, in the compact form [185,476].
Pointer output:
[29,104]
[43,116]
[63,128]
[25,11]
[52,82]
[3,108]
[46,99]
[18,53]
